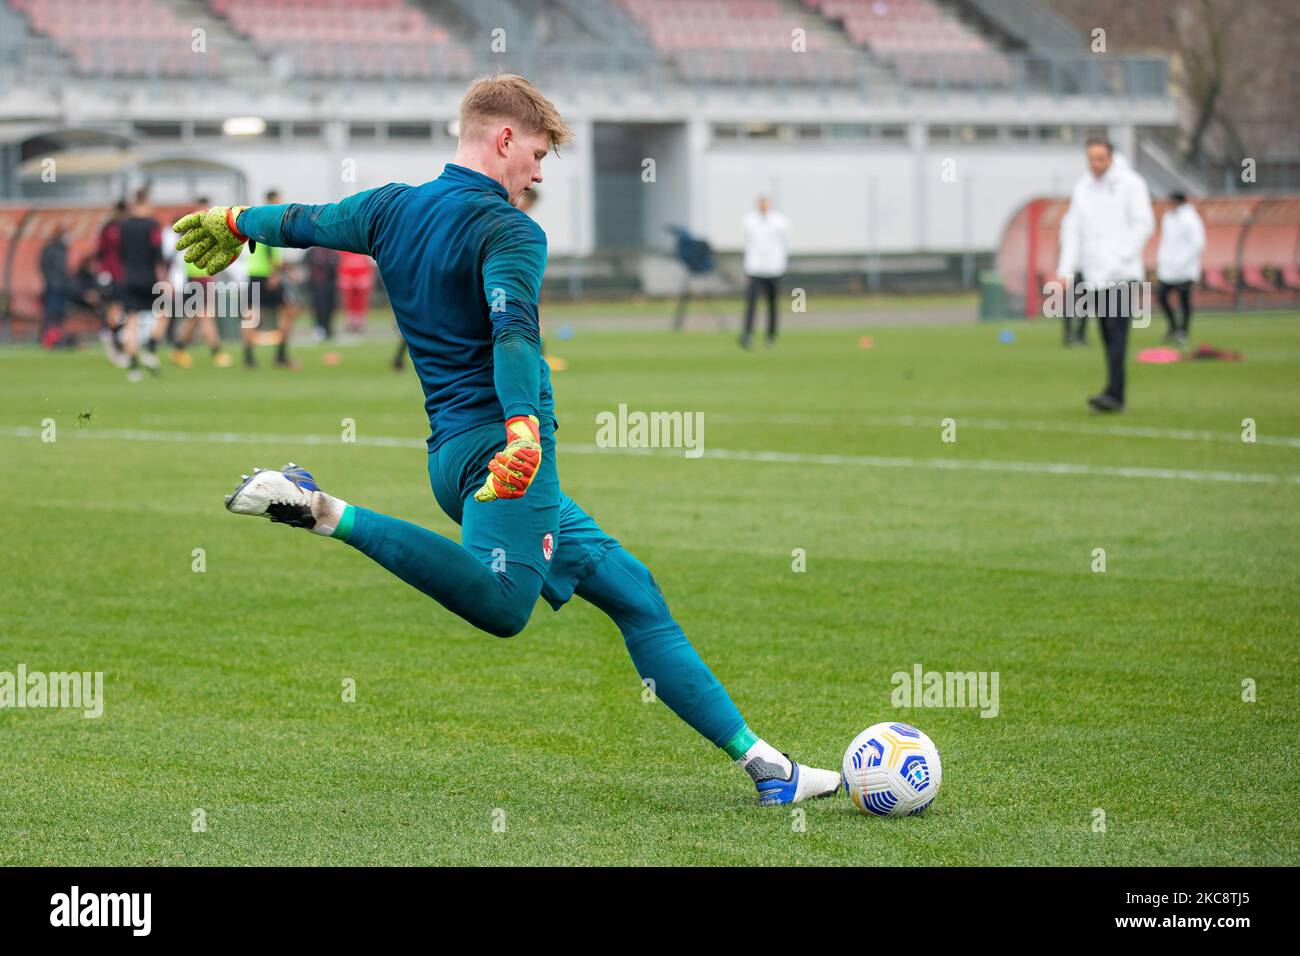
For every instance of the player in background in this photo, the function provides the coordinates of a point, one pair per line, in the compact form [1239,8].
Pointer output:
[356,281]
[142,269]
[191,281]
[463,269]
[108,259]
[276,304]
[766,242]
[322,267]
[285,276]
[1178,263]
[56,287]
[1101,240]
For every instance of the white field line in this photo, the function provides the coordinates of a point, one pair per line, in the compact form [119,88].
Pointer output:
[793,458]
[993,424]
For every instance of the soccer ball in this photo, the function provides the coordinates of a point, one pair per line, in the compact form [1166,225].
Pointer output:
[892,770]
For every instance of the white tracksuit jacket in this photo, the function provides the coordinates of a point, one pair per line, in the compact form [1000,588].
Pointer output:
[1182,240]
[1108,223]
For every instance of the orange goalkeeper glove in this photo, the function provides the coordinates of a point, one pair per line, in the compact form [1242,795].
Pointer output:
[512,470]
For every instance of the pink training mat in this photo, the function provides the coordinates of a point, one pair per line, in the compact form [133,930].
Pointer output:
[1202,353]
[1159,356]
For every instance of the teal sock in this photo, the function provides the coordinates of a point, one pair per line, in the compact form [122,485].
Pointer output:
[345,524]
[737,746]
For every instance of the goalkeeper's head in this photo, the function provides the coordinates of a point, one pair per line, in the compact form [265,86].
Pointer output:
[506,128]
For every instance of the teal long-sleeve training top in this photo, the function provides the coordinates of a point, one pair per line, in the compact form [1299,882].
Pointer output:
[463,270]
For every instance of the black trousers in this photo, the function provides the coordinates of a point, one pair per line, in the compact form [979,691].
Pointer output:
[56,309]
[1184,292]
[1076,329]
[324,300]
[768,285]
[1113,308]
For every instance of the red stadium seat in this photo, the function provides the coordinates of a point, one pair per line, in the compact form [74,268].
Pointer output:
[1216,279]
[1253,277]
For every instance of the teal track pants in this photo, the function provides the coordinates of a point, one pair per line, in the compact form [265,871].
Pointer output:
[499,596]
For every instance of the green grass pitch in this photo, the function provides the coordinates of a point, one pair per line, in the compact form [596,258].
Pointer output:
[1120,692]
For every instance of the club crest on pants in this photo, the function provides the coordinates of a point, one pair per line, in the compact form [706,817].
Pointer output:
[548,545]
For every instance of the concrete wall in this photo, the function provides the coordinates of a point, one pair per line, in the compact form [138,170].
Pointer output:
[885,198]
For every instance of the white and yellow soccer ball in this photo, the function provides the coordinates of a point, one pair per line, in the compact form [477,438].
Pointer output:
[892,770]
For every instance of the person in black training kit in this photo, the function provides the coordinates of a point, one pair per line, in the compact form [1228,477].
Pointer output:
[1102,235]
[323,283]
[143,267]
[58,286]
[108,266]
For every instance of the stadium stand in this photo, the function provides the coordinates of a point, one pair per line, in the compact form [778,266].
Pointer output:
[870,47]
[1030,25]
[605,22]
[1252,251]
[375,37]
[845,134]
[120,37]
[742,41]
[925,42]
[311,38]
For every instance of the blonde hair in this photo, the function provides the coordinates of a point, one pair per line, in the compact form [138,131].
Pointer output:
[506,97]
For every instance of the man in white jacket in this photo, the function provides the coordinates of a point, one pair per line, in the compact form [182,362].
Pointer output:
[1102,235]
[1178,262]
[766,232]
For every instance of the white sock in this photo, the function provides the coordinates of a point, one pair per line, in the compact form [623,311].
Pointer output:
[763,762]
[328,512]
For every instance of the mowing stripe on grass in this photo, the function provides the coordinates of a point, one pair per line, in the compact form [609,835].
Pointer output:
[726,454]
[993,424]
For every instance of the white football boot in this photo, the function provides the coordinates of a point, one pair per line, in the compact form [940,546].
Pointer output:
[803,783]
[289,496]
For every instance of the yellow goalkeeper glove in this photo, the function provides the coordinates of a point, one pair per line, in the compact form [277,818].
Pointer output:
[210,237]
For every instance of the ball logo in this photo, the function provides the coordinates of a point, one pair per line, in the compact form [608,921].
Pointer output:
[868,755]
[916,772]
[548,546]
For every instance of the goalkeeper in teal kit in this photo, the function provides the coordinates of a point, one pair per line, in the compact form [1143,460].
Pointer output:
[463,269]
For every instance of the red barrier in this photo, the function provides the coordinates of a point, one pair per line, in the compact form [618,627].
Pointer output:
[24,230]
[1270,250]
[1252,250]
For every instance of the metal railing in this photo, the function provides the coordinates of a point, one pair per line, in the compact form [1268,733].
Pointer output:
[612,69]
[1033,23]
